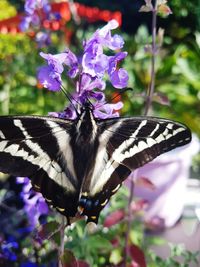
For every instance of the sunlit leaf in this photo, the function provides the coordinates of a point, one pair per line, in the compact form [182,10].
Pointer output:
[115,256]
[164,10]
[98,242]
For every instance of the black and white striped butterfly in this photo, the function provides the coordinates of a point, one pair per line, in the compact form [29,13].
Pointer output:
[78,164]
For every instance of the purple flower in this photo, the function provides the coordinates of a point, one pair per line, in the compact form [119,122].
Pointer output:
[25,23]
[95,65]
[90,69]
[119,78]
[116,42]
[55,61]
[30,6]
[45,6]
[71,61]
[7,249]
[43,39]
[113,60]
[30,264]
[104,111]
[35,19]
[28,20]
[88,83]
[49,78]
[104,38]
[35,205]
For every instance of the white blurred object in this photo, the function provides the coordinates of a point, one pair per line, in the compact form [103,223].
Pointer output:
[169,173]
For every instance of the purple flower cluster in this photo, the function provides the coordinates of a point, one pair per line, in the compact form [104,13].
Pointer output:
[35,205]
[7,250]
[36,11]
[88,72]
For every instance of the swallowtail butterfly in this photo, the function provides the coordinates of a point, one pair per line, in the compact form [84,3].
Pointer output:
[79,164]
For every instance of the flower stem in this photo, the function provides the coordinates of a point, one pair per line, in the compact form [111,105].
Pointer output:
[129,219]
[74,13]
[62,242]
[151,88]
[149,97]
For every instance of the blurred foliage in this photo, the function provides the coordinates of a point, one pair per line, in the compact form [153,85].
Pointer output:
[185,14]
[177,78]
[6,10]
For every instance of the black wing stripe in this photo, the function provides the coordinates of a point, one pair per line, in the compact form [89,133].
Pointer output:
[38,152]
[102,197]
[63,154]
[54,145]
[140,148]
[55,195]
[18,166]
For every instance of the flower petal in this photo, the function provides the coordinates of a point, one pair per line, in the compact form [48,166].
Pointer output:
[55,61]
[119,78]
[49,79]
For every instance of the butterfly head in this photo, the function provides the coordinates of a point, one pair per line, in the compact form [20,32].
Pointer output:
[87,106]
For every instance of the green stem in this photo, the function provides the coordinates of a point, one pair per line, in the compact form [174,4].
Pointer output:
[129,218]
[62,242]
[151,88]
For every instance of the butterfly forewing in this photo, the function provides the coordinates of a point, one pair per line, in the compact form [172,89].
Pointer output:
[38,147]
[138,140]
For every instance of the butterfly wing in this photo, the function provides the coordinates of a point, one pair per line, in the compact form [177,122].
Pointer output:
[126,144]
[39,148]
[138,140]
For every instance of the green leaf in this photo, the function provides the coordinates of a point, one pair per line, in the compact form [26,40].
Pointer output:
[48,229]
[115,256]
[68,259]
[97,242]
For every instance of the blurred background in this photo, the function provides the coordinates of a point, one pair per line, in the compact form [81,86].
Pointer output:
[177,87]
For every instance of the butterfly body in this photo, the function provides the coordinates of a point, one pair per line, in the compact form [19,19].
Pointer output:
[79,164]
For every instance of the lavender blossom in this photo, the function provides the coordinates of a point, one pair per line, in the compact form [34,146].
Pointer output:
[30,6]
[43,39]
[35,205]
[88,73]
[34,19]
[49,78]
[7,250]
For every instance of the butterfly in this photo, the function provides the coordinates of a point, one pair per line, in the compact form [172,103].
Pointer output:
[79,164]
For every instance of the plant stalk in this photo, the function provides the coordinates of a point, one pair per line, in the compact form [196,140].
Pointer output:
[74,13]
[149,97]
[129,219]
[151,87]
[62,242]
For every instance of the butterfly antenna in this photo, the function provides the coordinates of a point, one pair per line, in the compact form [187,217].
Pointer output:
[118,94]
[122,91]
[88,100]
[70,97]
